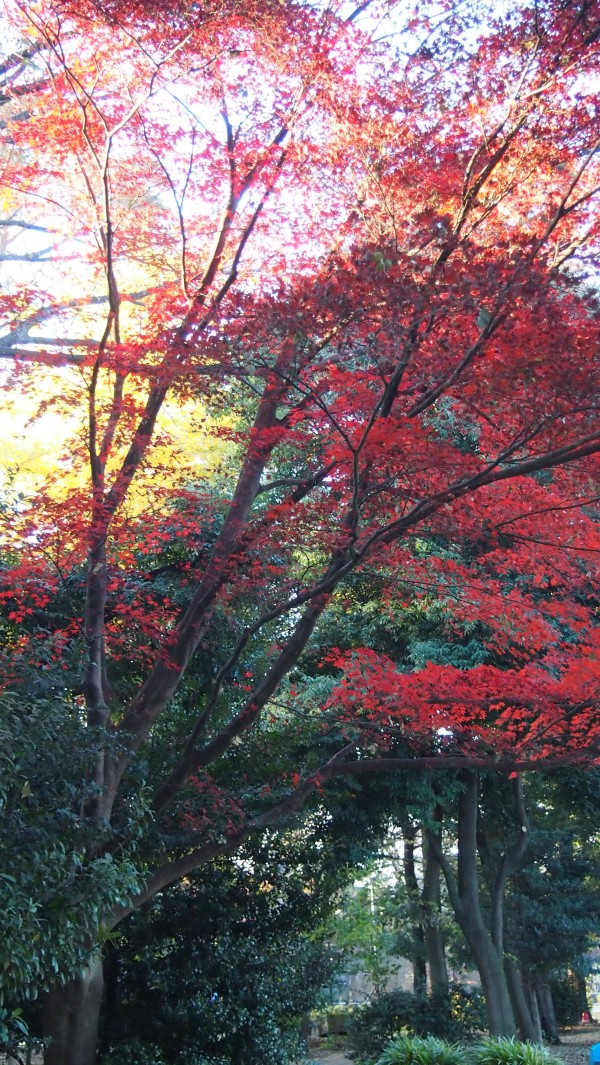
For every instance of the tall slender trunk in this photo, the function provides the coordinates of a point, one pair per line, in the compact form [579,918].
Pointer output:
[534,1008]
[431,908]
[70,1020]
[463,892]
[547,1013]
[499,1009]
[110,999]
[522,996]
[524,1002]
[413,892]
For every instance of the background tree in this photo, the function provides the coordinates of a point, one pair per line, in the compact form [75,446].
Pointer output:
[551,908]
[227,960]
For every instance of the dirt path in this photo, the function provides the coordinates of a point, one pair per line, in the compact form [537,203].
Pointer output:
[575,1044]
[328,1057]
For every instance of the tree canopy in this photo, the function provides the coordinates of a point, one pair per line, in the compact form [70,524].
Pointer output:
[305,294]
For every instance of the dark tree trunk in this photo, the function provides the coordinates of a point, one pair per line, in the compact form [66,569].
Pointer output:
[71,1015]
[419,964]
[431,907]
[499,1009]
[534,1008]
[413,892]
[110,999]
[547,1014]
[524,1002]
[463,892]
[523,999]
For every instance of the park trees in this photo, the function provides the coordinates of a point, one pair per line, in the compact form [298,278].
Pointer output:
[315,304]
[226,960]
[551,909]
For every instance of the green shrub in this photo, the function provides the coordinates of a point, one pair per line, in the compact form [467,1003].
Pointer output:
[373,1026]
[452,1016]
[135,1052]
[411,1050]
[219,962]
[337,1019]
[467,1012]
[500,1050]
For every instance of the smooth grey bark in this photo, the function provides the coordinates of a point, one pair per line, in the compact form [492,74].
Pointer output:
[547,1012]
[70,1018]
[413,892]
[499,1009]
[534,1008]
[431,907]
[524,1002]
[463,892]
[497,871]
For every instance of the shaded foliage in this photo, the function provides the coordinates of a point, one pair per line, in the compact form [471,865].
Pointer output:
[454,1016]
[54,887]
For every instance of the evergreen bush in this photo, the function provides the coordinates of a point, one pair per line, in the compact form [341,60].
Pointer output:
[452,1016]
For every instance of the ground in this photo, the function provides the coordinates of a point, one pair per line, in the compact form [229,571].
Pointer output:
[574,1048]
[576,1043]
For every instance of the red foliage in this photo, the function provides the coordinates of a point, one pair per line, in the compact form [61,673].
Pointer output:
[362,261]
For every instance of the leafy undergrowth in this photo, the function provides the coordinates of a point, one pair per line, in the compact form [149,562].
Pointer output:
[501,1050]
[415,1051]
[489,1050]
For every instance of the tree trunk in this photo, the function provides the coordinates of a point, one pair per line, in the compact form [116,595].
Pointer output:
[431,908]
[523,999]
[500,1016]
[419,964]
[548,1016]
[71,1014]
[413,893]
[524,1005]
[110,1000]
[463,892]
[534,1009]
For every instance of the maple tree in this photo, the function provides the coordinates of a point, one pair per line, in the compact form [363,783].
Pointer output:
[311,291]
